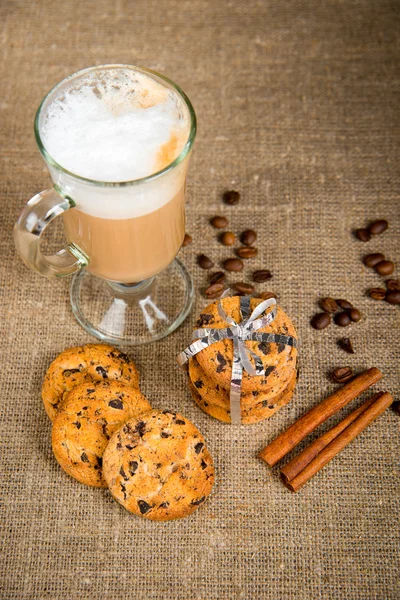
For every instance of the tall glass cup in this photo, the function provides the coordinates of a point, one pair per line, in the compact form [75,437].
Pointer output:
[123,237]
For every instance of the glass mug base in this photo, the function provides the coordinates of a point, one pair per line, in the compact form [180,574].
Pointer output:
[130,315]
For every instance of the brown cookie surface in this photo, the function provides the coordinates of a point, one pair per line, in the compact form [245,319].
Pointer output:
[92,362]
[158,467]
[86,420]
[279,360]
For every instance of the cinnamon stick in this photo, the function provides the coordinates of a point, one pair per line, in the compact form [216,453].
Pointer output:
[293,468]
[341,441]
[287,440]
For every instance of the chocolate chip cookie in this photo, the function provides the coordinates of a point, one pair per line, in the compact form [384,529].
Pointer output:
[158,467]
[87,418]
[92,362]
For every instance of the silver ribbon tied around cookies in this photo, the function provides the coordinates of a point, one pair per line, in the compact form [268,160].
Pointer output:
[239,333]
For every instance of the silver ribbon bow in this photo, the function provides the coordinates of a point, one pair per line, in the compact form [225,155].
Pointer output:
[239,333]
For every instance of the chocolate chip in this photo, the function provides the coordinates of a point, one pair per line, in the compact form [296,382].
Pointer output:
[233,264]
[363,235]
[329,305]
[342,374]
[393,297]
[378,227]
[247,252]
[248,237]
[180,422]
[84,457]
[164,434]
[140,428]
[219,222]
[133,465]
[342,319]
[346,345]
[90,390]
[227,238]
[321,320]
[77,424]
[69,372]
[204,262]
[123,474]
[384,267]
[164,505]
[222,363]
[187,240]
[198,384]
[231,197]
[101,371]
[264,347]
[373,259]
[204,320]
[393,285]
[199,501]
[143,507]
[198,447]
[268,371]
[116,403]
[203,464]
[245,288]
[261,275]
[123,490]
[377,293]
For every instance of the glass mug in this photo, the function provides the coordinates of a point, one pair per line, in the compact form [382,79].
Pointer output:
[123,236]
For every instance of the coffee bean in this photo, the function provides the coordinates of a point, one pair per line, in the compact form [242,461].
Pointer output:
[385,267]
[321,320]
[373,259]
[261,275]
[377,293]
[355,315]
[393,297]
[345,304]
[248,237]
[187,240]
[217,277]
[204,262]
[246,252]
[329,305]
[363,235]
[246,288]
[346,345]
[231,197]
[396,407]
[214,290]
[267,295]
[393,285]
[233,264]
[219,222]
[342,374]
[342,319]
[378,227]
[228,238]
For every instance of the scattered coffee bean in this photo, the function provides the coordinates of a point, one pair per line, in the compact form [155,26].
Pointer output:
[378,227]
[342,319]
[396,407]
[393,285]
[217,277]
[355,315]
[214,290]
[363,235]
[377,293]
[385,267]
[233,264]
[346,345]
[204,262]
[246,252]
[261,275]
[342,374]
[373,259]
[248,237]
[393,297]
[321,320]
[231,197]
[187,240]
[329,305]
[345,304]
[245,288]
[219,222]
[228,238]
[267,295]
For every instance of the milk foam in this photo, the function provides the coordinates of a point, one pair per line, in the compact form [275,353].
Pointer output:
[116,125]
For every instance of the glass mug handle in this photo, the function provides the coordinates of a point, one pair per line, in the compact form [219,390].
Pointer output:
[35,217]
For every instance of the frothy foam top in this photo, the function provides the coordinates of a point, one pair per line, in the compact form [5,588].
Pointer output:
[116,125]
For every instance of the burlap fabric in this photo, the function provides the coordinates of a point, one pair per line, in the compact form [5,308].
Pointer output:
[298,109]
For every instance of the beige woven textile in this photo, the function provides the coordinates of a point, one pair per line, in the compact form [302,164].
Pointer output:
[298,109]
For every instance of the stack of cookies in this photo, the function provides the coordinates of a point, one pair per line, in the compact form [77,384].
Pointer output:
[105,434]
[210,370]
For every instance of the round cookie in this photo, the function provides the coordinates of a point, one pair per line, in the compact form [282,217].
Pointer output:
[254,414]
[158,467]
[215,394]
[279,360]
[92,362]
[86,420]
